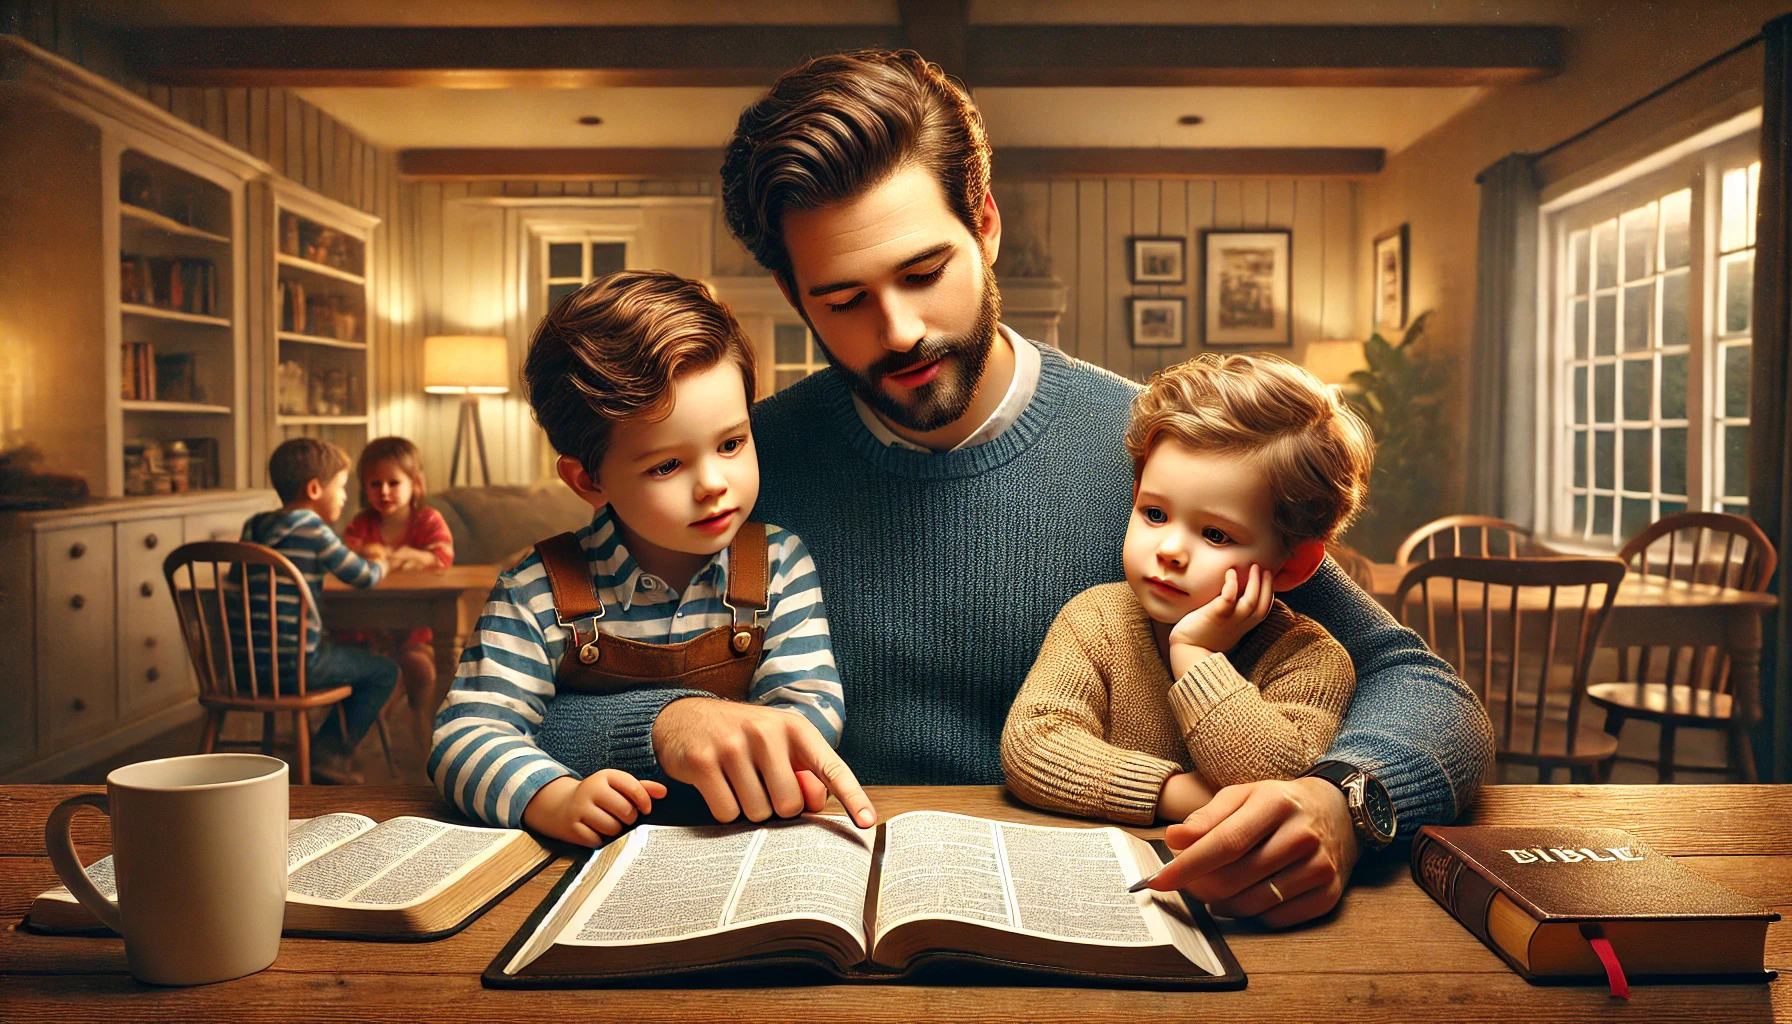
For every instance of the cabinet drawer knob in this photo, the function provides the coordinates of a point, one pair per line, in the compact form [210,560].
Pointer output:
[147,590]
[153,674]
[80,704]
[151,541]
[77,550]
[77,601]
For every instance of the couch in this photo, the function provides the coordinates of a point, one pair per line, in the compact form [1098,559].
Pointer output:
[497,525]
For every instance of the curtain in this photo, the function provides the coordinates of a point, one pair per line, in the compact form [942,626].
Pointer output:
[1502,381]
[1769,500]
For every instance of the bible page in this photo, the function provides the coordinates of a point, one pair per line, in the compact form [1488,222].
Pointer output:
[397,862]
[938,864]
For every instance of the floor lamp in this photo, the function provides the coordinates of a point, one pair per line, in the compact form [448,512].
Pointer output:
[468,365]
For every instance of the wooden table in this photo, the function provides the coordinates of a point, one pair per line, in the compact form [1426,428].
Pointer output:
[1388,953]
[1652,612]
[409,598]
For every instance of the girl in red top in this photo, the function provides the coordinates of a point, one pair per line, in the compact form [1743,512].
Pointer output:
[397,525]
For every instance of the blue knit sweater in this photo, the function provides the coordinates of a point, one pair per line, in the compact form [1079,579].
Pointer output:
[943,572]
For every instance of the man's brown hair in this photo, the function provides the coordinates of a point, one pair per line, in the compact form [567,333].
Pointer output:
[301,460]
[1315,452]
[610,352]
[401,453]
[839,124]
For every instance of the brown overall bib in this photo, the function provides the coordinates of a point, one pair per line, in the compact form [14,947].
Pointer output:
[720,660]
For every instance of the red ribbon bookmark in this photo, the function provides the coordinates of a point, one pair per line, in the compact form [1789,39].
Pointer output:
[1602,948]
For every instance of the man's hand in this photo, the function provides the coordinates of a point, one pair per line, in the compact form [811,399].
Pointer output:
[748,759]
[1216,627]
[583,810]
[1296,835]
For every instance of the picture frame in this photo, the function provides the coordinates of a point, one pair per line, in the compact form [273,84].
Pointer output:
[1389,261]
[1158,259]
[1247,288]
[1156,322]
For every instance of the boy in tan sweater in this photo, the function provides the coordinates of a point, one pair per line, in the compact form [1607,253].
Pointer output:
[1149,695]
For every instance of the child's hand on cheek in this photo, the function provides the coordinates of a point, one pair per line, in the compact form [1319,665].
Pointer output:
[1218,625]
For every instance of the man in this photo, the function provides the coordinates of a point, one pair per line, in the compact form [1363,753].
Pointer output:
[957,485]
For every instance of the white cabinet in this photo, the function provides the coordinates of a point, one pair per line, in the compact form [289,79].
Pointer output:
[76,688]
[152,666]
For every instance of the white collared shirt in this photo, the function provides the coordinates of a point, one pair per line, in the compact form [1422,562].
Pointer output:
[1014,402]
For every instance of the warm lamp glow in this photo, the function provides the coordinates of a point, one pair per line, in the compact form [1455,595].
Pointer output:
[466,364]
[1333,361]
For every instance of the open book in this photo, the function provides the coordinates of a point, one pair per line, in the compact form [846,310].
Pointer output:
[872,904]
[405,879]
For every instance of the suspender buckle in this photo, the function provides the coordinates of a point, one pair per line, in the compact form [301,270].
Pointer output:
[588,650]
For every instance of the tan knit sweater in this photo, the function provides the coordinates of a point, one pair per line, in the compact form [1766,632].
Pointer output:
[1098,726]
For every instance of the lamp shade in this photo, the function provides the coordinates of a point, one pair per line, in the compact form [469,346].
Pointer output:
[1333,361]
[466,364]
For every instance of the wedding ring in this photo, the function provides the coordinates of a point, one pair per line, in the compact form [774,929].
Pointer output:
[1273,889]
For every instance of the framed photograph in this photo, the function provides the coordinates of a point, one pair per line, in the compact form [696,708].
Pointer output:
[1247,290]
[1390,279]
[1157,260]
[1157,323]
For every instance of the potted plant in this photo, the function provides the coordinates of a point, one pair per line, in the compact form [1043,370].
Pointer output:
[1401,397]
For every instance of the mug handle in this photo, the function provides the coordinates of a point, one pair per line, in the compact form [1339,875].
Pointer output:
[68,866]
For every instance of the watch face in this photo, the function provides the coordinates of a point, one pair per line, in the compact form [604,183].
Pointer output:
[1379,809]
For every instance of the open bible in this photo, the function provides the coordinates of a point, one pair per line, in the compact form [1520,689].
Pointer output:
[408,879]
[925,888]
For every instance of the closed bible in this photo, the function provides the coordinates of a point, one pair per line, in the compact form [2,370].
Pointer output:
[1545,897]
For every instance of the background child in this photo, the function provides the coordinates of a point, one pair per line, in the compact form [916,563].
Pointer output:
[311,477]
[1190,676]
[641,380]
[411,535]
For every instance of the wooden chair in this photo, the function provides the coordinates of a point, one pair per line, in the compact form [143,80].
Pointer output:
[1519,619]
[224,647]
[1690,692]
[1355,564]
[1487,538]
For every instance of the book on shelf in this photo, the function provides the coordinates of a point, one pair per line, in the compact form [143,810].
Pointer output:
[137,380]
[403,879]
[924,890]
[1562,904]
[202,467]
[174,381]
[183,285]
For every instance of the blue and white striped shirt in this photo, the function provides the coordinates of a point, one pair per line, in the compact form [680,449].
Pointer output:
[313,549]
[485,758]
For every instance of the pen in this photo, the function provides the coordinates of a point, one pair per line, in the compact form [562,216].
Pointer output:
[1144,883]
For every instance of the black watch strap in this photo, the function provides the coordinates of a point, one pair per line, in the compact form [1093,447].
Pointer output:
[1340,774]
[1335,772]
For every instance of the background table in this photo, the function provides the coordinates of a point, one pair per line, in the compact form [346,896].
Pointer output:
[1389,953]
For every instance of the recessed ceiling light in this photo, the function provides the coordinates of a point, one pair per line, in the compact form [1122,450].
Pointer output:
[591,119]
[1190,119]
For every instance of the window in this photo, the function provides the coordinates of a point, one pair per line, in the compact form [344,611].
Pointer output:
[572,263]
[1651,389]
[794,355]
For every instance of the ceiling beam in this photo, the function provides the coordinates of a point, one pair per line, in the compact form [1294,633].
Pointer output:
[754,55]
[1010,163]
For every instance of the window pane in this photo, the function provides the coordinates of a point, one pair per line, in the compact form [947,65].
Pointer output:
[1636,516]
[1736,372]
[608,257]
[1580,394]
[556,292]
[1605,325]
[1639,242]
[565,259]
[1639,315]
[1676,233]
[1580,457]
[1673,310]
[1605,393]
[1577,261]
[789,377]
[1639,388]
[1603,452]
[1580,514]
[1734,233]
[1735,461]
[1605,254]
[1668,508]
[1673,387]
[1579,315]
[1739,292]
[1754,194]
[1639,460]
[1602,516]
[790,343]
[1735,510]
[1673,460]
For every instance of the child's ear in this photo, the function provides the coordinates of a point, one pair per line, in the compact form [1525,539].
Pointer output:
[574,476]
[314,489]
[1302,563]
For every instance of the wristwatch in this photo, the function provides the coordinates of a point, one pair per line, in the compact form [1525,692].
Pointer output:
[1370,809]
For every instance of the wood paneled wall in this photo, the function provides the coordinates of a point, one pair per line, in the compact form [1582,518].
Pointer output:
[1083,225]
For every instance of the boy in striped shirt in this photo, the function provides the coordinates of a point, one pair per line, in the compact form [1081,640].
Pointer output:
[641,381]
[311,477]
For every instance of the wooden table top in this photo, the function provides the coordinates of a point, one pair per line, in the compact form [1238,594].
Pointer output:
[1637,591]
[1388,953]
[418,582]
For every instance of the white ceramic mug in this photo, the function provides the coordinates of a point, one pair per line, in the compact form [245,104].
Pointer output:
[199,854]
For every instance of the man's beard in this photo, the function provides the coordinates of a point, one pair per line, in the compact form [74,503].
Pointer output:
[945,398]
